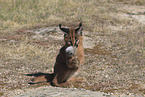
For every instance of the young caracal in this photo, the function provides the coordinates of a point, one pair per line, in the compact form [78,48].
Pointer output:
[68,61]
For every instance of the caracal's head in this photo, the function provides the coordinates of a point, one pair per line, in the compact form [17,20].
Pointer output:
[72,39]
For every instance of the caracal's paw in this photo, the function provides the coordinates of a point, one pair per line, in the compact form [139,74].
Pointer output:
[78,80]
[67,85]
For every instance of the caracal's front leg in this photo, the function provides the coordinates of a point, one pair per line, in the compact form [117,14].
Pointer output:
[55,82]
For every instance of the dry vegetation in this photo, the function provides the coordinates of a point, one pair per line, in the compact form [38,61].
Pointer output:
[115,33]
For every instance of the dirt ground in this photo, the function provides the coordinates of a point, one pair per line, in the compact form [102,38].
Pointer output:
[101,68]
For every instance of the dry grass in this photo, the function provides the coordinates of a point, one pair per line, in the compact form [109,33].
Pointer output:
[115,61]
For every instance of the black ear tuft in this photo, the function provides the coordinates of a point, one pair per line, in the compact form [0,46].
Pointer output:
[66,30]
[60,26]
[79,29]
[80,24]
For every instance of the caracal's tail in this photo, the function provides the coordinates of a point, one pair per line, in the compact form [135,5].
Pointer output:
[43,78]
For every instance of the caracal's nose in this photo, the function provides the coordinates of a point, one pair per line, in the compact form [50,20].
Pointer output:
[70,51]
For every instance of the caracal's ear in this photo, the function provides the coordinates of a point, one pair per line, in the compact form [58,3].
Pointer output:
[79,29]
[66,30]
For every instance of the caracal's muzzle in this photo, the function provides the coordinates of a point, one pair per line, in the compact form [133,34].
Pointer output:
[71,51]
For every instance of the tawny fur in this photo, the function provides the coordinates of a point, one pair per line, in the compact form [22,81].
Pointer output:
[65,67]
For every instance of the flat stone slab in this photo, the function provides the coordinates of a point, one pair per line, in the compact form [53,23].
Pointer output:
[48,91]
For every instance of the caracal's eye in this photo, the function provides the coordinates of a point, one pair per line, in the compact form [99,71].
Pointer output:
[69,42]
